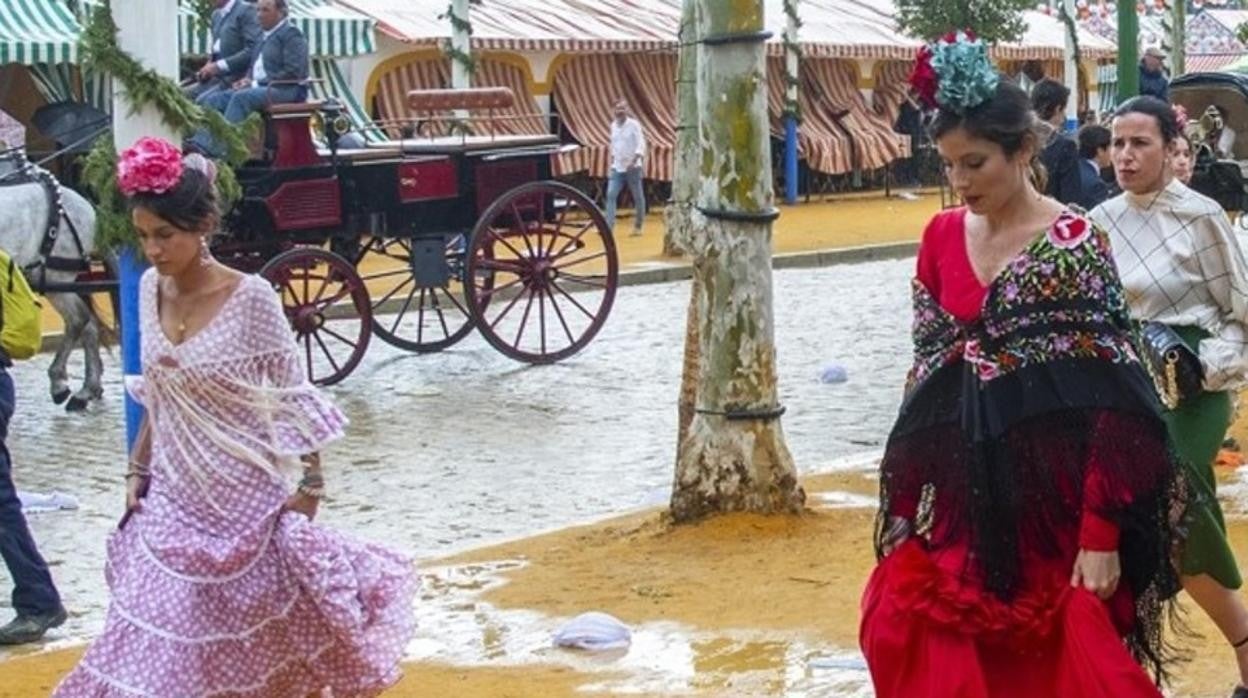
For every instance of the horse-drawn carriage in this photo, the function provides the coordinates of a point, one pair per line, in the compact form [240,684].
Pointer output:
[1217,102]
[419,241]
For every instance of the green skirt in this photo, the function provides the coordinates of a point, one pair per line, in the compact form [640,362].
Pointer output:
[1198,428]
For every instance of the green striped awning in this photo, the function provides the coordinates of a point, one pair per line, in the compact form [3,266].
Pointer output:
[332,31]
[34,32]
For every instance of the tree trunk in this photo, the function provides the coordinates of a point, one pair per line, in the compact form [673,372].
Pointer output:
[685,182]
[734,457]
[679,219]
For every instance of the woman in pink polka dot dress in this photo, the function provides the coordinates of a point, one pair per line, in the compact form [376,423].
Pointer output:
[221,584]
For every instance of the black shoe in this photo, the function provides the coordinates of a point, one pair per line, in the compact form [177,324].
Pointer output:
[30,628]
[1240,692]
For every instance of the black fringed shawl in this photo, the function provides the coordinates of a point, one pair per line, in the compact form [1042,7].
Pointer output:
[1004,420]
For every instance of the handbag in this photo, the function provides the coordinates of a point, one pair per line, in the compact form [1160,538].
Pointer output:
[1175,369]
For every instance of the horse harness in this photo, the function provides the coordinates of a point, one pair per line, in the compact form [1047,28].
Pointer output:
[30,173]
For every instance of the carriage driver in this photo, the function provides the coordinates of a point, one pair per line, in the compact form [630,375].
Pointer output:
[281,56]
[235,33]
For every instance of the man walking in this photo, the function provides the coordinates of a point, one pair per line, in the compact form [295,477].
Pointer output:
[628,152]
[35,599]
[235,33]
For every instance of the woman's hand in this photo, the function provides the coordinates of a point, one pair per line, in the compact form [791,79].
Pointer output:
[303,504]
[1098,572]
[898,532]
[136,490]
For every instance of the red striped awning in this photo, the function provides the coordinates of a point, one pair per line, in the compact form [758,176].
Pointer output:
[524,118]
[892,82]
[585,91]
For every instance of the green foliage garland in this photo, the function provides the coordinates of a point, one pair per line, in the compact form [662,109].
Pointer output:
[792,108]
[147,88]
[458,24]
[203,14]
[1071,29]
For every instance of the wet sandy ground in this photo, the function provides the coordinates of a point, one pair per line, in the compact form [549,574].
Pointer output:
[452,451]
[455,451]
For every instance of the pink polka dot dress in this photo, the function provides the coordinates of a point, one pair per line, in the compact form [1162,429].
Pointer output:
[216,591]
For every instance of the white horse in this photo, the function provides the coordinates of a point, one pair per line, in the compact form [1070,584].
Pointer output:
[23,225]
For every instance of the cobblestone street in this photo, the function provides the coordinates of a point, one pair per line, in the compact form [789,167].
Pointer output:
[451,451]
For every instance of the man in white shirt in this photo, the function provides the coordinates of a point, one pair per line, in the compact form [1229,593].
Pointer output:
[628,152]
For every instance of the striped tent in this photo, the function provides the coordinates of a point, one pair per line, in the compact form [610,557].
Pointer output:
[584,91]
[37,32]
[332,31]
[892,81]
[524,118]
[392,89]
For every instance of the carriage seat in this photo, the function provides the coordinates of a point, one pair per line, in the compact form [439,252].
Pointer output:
[290,110]
[443,145]
[473,98]
[362,155]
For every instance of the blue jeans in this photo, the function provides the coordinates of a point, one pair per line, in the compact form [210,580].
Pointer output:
[237,105]
[33,591]
[615,183]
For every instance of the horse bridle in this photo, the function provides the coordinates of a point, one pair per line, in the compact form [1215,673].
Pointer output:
[30,173]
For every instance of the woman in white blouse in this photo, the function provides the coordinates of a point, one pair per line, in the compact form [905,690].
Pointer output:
[1181,265]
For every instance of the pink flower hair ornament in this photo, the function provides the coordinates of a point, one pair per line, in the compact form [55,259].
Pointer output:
[150,166]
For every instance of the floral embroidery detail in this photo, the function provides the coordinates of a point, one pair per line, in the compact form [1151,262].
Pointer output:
[1069,231]
[1065,282]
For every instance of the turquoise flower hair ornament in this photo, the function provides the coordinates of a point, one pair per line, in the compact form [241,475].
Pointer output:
[959,70]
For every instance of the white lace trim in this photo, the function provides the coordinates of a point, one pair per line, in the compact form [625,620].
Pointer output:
[206,639]
[194,579]
[268,676]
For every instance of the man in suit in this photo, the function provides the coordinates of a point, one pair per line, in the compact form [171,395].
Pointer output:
[235,32]
[1059,153]
[279,60]
[1094,157]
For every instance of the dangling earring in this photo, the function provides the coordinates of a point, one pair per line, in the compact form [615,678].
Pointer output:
[205,254]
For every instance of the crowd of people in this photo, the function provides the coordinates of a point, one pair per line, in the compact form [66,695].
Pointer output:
[1048,486]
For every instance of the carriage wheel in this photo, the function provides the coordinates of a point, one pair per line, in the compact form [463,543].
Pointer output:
[552,270]
[406,312]
[319,290]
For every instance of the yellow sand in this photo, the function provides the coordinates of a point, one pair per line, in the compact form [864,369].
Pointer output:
[796,575]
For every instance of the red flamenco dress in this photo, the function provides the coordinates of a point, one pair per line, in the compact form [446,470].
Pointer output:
[1029,430]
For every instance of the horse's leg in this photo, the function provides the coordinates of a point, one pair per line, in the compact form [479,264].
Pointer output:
[92,387]
[74,318]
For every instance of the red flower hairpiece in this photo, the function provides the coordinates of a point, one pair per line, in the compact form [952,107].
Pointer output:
[923,78]
[151,165]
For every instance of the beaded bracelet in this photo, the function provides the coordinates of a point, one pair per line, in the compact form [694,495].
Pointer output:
[311,491]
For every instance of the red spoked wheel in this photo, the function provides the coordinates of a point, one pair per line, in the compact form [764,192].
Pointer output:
[328,308]
[544,271]
[417,295]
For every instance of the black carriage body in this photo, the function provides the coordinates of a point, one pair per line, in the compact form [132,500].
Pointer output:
[428,239]
[1221,180]
[380,193]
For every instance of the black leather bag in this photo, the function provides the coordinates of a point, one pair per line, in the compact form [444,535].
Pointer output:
[1175,368]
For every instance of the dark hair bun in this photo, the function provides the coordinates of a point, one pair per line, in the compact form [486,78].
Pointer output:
[190,206]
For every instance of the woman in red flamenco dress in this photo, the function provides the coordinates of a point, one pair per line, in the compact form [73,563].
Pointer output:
[1027,489]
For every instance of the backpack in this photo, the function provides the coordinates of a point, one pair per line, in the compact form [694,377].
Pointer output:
[21,316]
